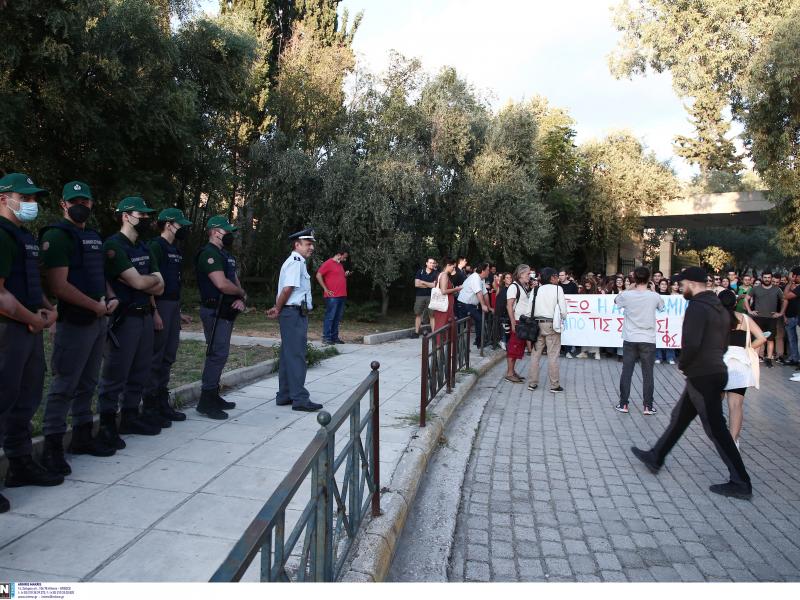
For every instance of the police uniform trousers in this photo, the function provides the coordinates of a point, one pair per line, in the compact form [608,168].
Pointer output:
[21,385]
[702,397]
[125,369]
[75,364]
[165,345]
[292,365]
[220,347]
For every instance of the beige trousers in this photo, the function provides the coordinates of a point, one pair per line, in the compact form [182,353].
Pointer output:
[552,340]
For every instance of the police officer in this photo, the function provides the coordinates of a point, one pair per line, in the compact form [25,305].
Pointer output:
[72,255]
[130,270]
[167,315]
[221,300]
[291,309]
[26,313]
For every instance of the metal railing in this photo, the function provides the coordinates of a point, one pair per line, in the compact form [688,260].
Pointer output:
[490,331]
[333,515]
[444,352]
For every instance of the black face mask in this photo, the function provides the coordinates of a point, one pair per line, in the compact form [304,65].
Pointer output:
[143,226]
[227,240]
[79,213]
[182,234]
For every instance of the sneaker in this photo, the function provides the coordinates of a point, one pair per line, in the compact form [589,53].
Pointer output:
[780,360]
[768,362]
[761,359]
[330,343]
[569,355]
[650,410]
[623,408]
[733,490]
[672,362]
[646,456]
[582,355]
[597,356]
[658,361]
[532,386]
[513,379]
[557,390]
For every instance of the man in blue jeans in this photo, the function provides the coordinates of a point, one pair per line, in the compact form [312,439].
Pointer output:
[638,338]
[333,279]
[792,295]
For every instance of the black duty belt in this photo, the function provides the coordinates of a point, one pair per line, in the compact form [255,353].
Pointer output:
[139,311]
[540,320]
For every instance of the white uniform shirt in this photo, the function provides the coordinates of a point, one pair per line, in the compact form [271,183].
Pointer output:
[547,298]
[470,289]
[295,274]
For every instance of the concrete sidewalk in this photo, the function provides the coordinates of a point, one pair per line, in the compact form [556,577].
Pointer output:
[170,507]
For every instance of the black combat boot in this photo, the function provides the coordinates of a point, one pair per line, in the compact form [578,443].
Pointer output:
[109,434]
[132,422]
[209,407]
[167,410]
[5,505]
[224,404]
[151,412]
[83,442]
[23,470]
[53,454]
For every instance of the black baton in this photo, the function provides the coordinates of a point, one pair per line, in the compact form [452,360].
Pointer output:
[214,326]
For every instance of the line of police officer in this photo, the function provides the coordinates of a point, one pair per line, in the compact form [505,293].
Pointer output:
[119,306]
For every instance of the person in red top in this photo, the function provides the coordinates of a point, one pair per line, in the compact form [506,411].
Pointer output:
[333,279]
[445,284]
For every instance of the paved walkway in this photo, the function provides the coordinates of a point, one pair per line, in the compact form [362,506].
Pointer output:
[552,493]
[170,507]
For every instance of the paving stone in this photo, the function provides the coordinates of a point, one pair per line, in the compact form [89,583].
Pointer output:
[688,572]
[607,561]
[664,574]
[558,567]
[576,547]
[554,549]
[477,571]
[582,563]
[530,570]
[613,576]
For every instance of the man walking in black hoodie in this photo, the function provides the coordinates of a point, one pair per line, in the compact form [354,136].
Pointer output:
[706,327]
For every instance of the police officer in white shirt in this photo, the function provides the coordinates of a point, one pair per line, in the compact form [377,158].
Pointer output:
[472,299]
[292,306]
[549,298]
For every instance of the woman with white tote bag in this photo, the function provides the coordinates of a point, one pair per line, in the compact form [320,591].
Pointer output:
[742,361]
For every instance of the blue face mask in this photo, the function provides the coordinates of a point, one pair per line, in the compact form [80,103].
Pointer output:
[28,211]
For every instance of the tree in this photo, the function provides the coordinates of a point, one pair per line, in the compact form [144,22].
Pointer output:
[625,181]
[715,258]
[707,46]
[771,109]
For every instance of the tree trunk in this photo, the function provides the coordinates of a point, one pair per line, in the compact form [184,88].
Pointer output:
[384,300]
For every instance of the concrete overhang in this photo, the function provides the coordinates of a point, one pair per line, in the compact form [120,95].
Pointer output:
[731,209]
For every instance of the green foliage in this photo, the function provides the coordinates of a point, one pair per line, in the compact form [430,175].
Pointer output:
[314,355]
[715,258]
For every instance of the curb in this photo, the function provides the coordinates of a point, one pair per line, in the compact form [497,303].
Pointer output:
[373,551]
[184,396]
[390,336]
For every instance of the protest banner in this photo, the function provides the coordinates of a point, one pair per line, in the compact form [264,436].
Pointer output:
[594,320]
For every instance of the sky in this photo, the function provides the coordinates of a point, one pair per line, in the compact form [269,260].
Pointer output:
[516,49]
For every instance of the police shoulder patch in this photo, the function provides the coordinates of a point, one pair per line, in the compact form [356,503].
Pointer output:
[111,253]
[297,258]
[211,261]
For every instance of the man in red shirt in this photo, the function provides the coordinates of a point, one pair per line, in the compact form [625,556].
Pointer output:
[333,279]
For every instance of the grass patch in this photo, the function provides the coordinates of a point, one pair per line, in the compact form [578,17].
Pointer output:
[187,368]
[413,418]
[314,355]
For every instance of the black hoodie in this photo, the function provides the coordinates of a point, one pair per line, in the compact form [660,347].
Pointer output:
[706,326]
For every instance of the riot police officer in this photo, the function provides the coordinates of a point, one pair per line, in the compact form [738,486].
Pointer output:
[72,255]
[26,313]
[291,308]
[167,315]
[221,300]
[130,270]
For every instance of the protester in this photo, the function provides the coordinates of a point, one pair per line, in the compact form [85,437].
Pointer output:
[518,303]
[665,354]
[742,291]
[638,338]
[792,296]
[588,286]
[706,326]
[424,281]
[746,375]
[472,300]
[549,299]
[332,278]
[733,278]
[501,310]
[766,304]
[440,318]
